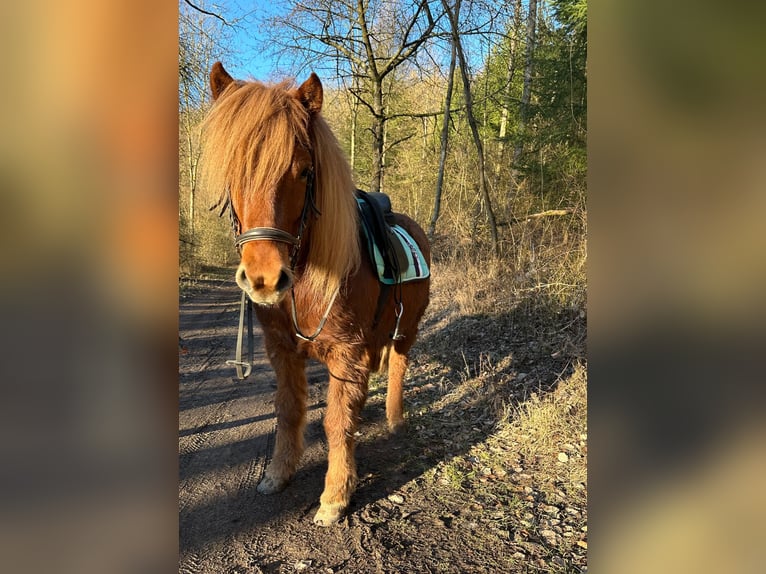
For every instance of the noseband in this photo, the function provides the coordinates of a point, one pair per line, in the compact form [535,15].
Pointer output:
[265,234]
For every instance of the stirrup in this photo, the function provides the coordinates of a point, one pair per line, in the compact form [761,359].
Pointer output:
[396,335]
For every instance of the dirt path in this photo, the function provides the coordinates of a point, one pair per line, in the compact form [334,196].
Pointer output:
[401,519]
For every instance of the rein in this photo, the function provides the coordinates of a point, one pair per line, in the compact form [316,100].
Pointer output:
[279,235]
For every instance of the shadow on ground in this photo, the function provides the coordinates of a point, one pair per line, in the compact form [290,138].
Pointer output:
[465,371]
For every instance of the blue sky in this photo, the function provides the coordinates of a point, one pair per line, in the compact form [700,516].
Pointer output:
[249,60]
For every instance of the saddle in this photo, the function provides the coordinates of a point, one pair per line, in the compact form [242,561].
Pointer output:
[377,220]
[394,253]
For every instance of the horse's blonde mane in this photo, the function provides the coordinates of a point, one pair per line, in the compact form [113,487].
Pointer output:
[249,138]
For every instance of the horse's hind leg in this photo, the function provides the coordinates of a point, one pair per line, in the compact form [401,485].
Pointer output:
[397,367]
[345,398]
[290,406]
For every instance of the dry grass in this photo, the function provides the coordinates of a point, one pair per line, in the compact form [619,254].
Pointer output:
[499,392]
[545,257]
[550,433]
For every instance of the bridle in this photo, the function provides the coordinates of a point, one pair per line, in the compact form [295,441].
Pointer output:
[273,234]
[281,236]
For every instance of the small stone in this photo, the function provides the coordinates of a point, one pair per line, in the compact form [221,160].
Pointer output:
[550,537]
[301,565]
[548,509]
[396,498]
[582,544]
[563,457]
[486,471]
[528,490]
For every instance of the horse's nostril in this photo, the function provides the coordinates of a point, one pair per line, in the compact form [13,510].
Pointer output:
[241,277]
[284,281]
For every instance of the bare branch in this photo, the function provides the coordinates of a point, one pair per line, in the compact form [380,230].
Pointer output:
[198,9]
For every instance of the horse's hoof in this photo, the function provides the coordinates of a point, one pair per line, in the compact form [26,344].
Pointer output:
[329,514]
[271,485]
[396,426]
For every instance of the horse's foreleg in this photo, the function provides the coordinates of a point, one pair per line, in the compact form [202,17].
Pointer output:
[290,406]
[345,397]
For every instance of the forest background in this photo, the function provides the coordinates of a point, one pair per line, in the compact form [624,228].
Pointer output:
[470,115]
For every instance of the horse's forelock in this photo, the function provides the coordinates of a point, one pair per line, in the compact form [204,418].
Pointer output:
[249,136]
[265,122]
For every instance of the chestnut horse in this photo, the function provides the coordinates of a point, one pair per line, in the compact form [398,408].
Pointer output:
[283,175]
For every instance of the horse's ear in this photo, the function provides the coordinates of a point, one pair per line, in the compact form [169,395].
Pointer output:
[219,79]
[310,94]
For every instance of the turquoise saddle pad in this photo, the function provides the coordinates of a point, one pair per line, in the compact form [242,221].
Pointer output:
[417,268]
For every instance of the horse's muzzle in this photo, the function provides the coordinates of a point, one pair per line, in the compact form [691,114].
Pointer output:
[265,288]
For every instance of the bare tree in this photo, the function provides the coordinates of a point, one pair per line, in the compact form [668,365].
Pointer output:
[452,14]
[526,93]
[197,42]
[365,41]
[510,72]
[444,139]
[201,41]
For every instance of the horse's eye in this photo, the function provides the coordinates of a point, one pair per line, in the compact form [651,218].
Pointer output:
[305,173]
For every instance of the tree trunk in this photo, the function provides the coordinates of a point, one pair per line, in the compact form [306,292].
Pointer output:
[354,117]
[484,188]
[192,167]
[509,82]
[383,156]
[526,92]
[443,146]
[378,132]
